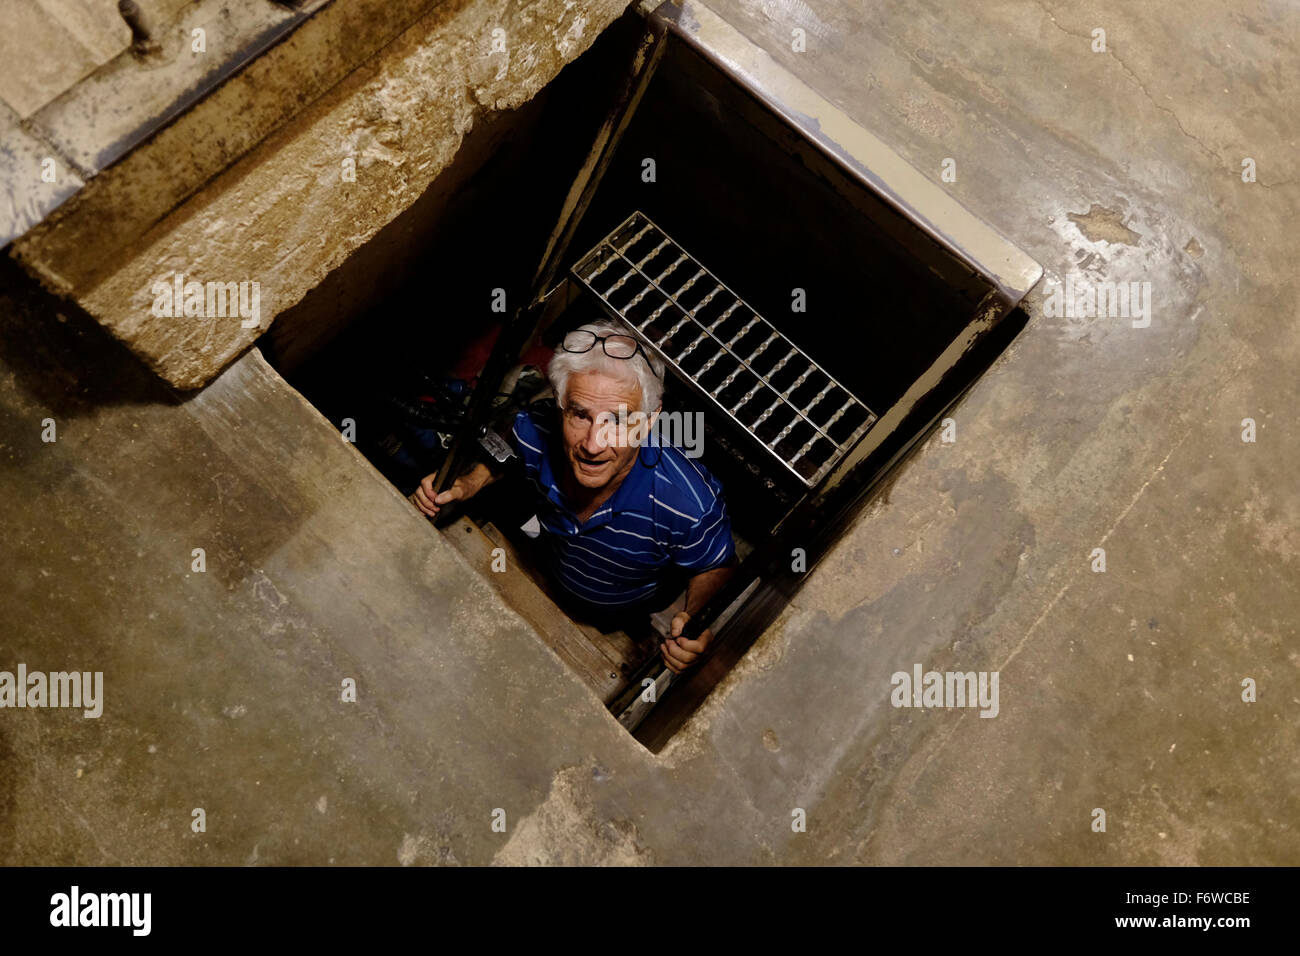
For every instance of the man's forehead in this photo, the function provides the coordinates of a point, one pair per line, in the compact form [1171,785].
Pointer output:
[602,393]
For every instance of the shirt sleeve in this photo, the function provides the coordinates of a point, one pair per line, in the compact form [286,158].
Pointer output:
[527,441]
[707,544]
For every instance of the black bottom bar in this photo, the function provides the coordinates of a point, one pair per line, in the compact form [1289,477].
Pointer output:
[920,906]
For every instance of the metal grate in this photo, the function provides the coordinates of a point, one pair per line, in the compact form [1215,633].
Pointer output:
[726,350]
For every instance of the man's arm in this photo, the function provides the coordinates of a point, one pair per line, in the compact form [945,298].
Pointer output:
[466,486]
[478,477]
[703,586]
[678,652]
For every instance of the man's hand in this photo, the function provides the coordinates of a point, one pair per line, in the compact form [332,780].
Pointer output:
[430,503]
[679,654]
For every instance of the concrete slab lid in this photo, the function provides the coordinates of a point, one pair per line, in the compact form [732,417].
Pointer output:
[101,119]
[844,140]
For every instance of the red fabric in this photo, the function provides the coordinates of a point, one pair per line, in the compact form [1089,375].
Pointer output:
[475,355]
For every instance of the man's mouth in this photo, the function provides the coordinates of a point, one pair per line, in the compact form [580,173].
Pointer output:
[590,465]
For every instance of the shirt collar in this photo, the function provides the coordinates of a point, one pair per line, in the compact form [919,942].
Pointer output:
[635,488]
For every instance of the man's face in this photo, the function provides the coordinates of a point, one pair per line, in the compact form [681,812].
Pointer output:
[593,408]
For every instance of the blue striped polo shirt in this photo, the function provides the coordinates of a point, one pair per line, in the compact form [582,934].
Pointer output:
[667,514]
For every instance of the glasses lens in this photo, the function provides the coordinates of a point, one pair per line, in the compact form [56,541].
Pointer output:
[620,346]
[579,341]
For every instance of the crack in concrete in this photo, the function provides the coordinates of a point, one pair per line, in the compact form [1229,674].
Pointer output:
[1205,148]
[1075,576]
[1101,543]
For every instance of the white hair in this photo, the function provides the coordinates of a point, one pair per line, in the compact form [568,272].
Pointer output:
[632,370]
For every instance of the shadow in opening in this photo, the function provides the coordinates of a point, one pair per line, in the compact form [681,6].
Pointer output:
[394,344]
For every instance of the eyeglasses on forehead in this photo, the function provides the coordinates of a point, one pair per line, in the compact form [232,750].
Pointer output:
[616,345]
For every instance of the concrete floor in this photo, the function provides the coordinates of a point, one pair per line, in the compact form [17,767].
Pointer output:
[1119,690]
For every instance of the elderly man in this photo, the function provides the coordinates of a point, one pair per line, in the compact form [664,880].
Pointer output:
[625,523]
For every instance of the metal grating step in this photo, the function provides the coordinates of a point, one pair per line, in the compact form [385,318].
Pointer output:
[733,356]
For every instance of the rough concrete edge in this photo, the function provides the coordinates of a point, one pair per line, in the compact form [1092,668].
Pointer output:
[762,655]
[21,153]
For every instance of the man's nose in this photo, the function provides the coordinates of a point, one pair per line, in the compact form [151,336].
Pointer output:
[596,440]
[600,435]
